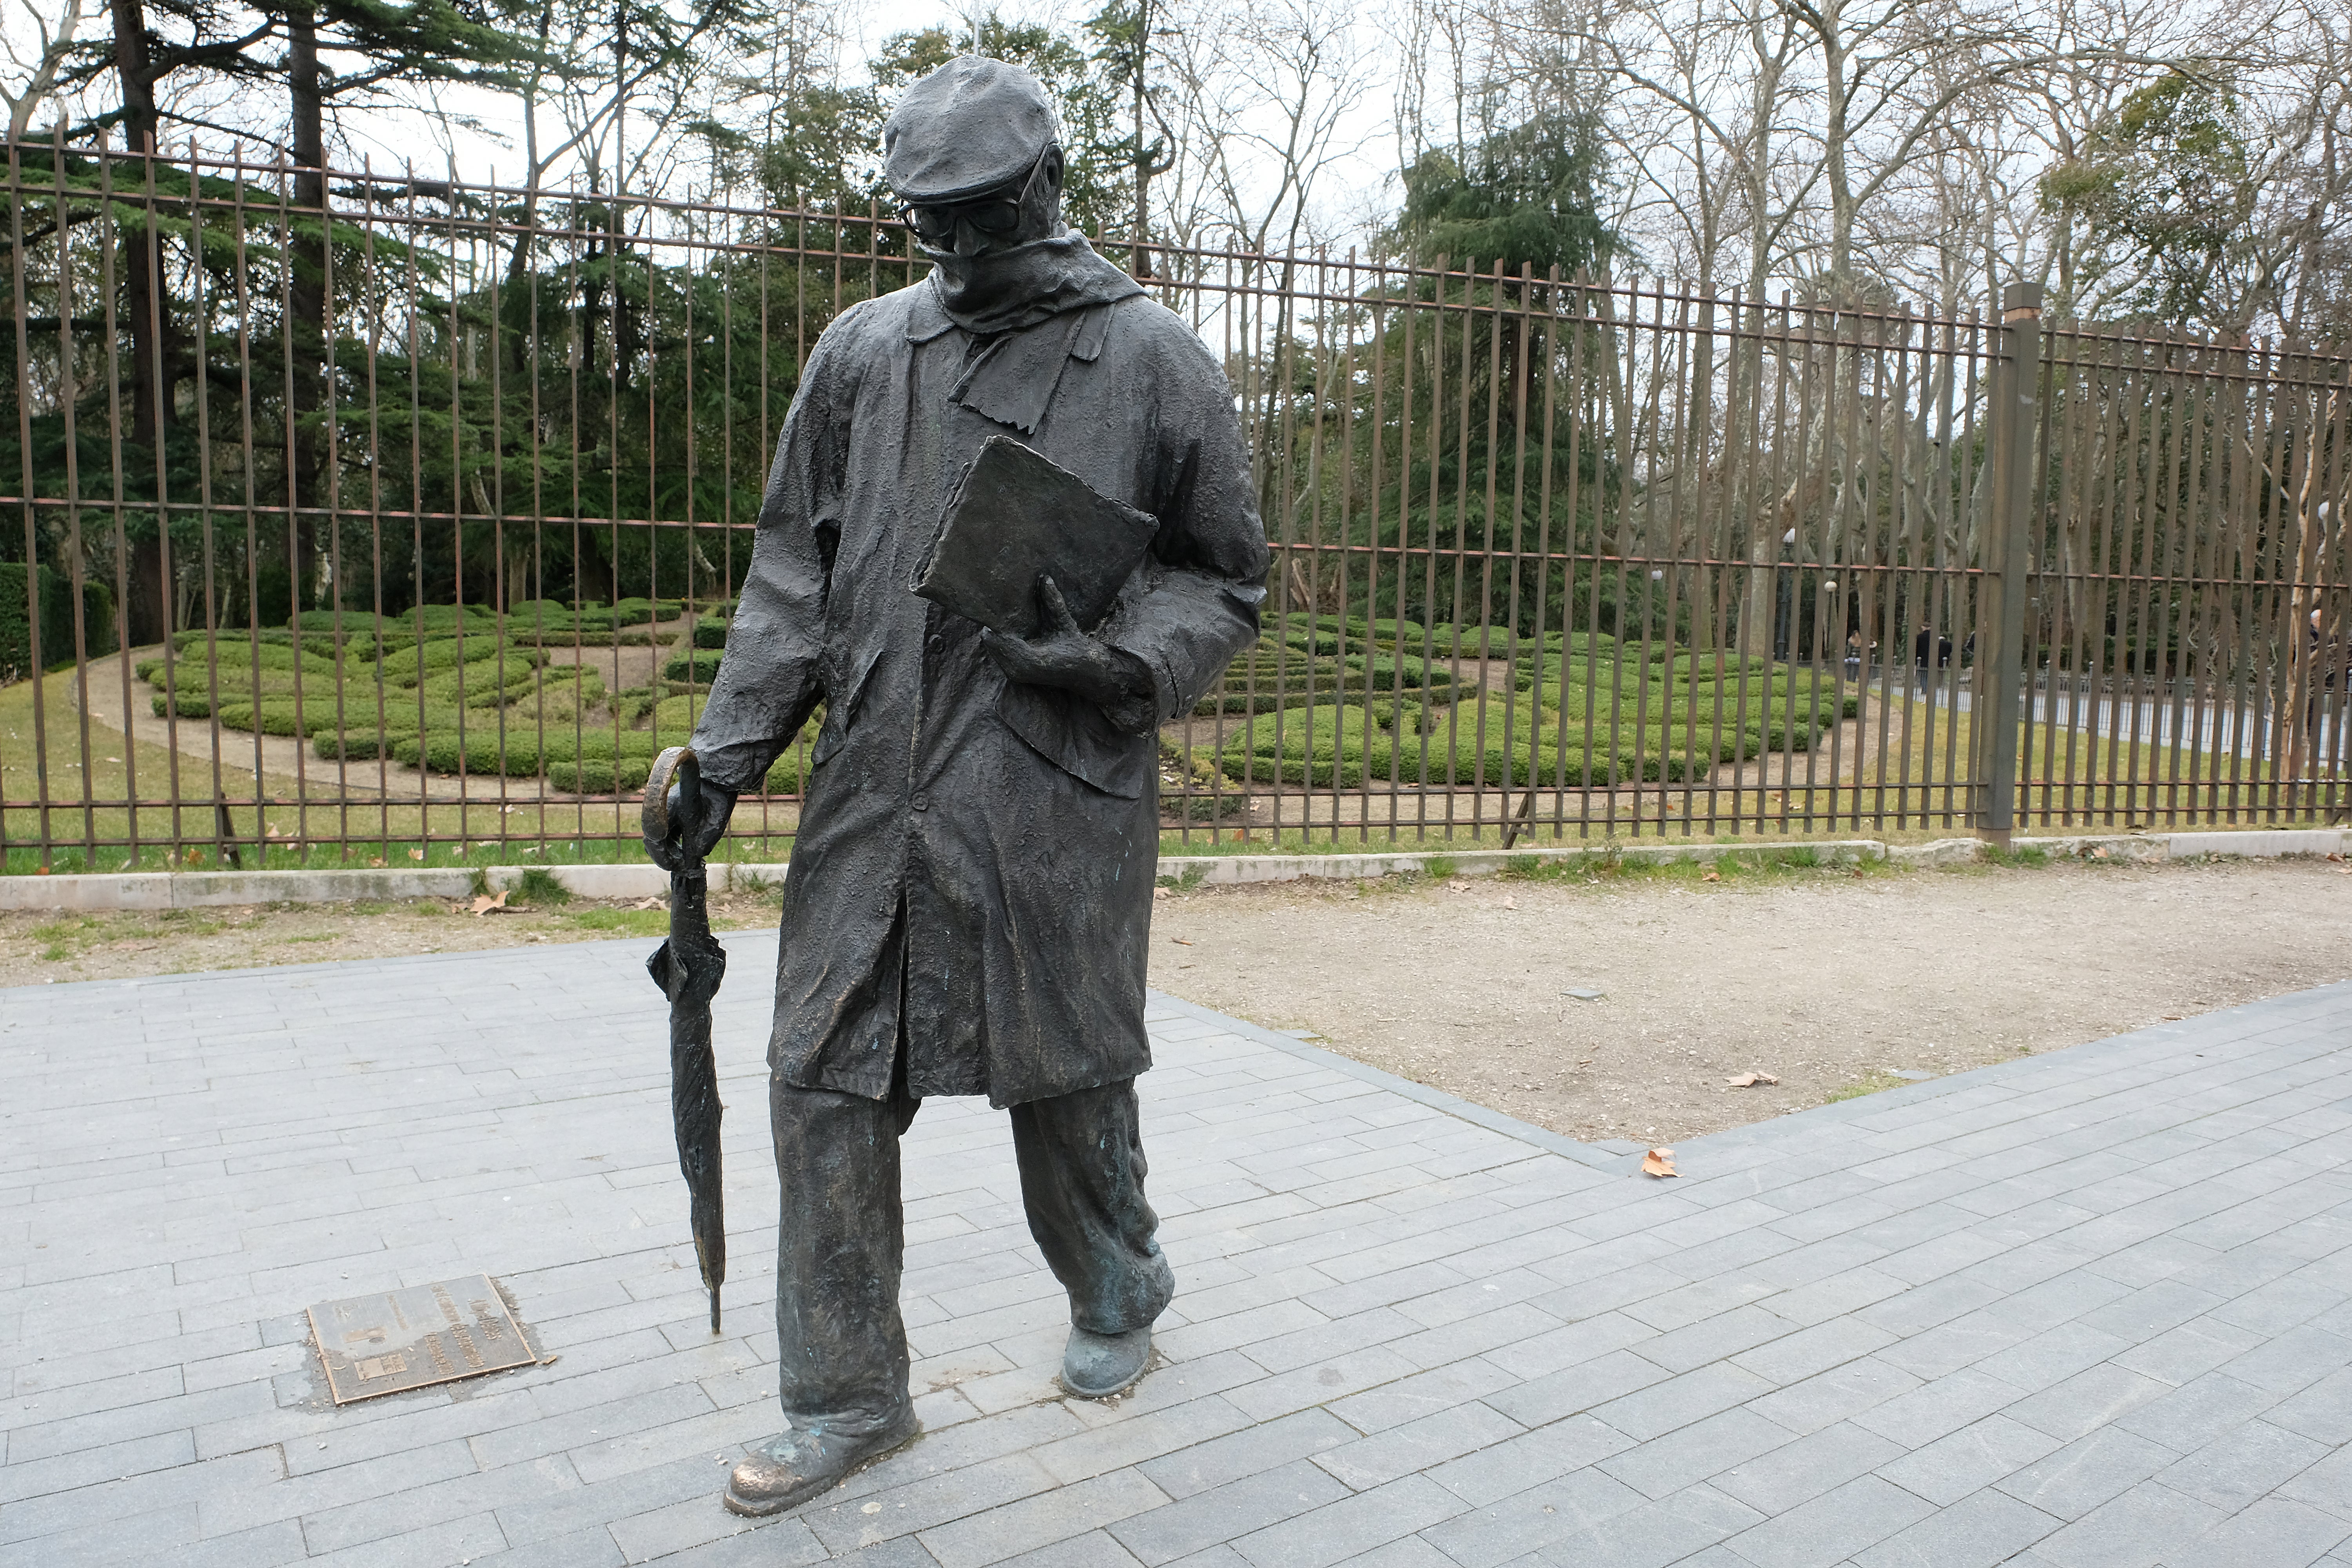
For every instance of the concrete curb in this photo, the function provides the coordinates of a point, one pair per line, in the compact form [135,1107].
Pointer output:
[199,890]
[1224,870]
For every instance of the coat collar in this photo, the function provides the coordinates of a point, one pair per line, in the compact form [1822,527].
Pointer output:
[1012,377]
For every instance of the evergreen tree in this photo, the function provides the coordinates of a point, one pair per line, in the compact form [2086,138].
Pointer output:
[1528,193]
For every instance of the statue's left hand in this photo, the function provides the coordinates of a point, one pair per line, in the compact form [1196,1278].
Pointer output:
[1062,655]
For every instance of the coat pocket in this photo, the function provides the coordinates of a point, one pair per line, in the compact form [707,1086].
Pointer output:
[1073,734]
[841,709]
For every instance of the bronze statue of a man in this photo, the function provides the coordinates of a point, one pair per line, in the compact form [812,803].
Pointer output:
[970,896]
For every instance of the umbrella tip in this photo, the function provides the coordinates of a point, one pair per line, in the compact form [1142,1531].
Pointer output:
[714,1311]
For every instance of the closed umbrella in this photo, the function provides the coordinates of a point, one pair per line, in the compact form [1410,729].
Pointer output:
[689,968]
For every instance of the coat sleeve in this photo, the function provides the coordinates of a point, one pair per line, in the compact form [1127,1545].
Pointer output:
[1206,578]
[772,676]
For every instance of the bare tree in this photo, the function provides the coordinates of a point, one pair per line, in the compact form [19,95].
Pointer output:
[1276,82]
[33,76]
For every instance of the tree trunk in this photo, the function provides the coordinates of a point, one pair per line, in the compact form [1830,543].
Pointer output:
[307,298]
[146,602]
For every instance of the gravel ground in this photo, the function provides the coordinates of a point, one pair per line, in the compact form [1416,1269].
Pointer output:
[1832,982]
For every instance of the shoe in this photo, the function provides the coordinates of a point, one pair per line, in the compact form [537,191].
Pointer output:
[786,1471]
[1096,1366]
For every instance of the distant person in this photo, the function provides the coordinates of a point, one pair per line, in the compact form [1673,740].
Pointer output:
[1930,644]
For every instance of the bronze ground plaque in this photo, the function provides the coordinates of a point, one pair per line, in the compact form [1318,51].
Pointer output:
[417,1337]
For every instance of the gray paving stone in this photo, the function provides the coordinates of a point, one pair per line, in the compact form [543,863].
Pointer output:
[1843,1392]
[1147,1435]
[2273,1532]
[1350,1526]
[1417,1446]
[595,1548]
[2323,1411]
[1225,1514]
[1781,1479]
[2086,1474]
[1092,1550]
[1655,1533]
[1977,1455]
[2087,1400]
[1679,1401]
[2141,1526]
[1697,1452]
[1976,1531]
[2181,1354]
[2110,1287]
[1578,1388]
[1411,1552]
[1252,1451]
[1530,1460]
[2242,1466]
[1835,1525]
[1036,1523]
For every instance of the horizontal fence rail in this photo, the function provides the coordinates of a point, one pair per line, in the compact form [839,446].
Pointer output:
[382,518]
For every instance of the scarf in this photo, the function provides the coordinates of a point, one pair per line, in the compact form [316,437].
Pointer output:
[1007,290]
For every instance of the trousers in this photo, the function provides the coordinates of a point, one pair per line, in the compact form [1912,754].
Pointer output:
[841,1365]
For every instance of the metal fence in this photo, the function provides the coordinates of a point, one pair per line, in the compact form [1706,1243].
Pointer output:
[373,515]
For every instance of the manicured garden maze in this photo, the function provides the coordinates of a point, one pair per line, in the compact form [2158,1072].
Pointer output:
[1580,711]
[450,689]
[1317,701]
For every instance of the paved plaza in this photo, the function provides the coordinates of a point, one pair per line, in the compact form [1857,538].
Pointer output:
[2090,1308]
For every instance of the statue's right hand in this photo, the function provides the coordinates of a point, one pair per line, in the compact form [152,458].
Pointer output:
[718,806]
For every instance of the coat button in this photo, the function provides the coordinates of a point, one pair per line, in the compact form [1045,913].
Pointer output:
[939,644]
[921,801]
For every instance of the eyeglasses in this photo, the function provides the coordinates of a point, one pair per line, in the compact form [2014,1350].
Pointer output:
[995,217]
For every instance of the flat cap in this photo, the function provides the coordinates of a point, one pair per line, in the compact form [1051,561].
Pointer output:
[967,128]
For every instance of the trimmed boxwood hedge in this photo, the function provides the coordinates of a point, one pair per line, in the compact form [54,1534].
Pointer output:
[55,590]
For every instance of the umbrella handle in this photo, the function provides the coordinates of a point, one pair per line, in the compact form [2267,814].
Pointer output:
[677,765]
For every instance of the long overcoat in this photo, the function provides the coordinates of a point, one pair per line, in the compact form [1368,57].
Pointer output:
[976,857]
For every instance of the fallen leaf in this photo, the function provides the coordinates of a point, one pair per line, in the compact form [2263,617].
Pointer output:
[1510,903]
[1712,877]
[376,860]
[416,855]
[1751,1080]
[1659,1162]
[1160,893]
[484,903]
[1179,941]
[650,904]
[2099,854]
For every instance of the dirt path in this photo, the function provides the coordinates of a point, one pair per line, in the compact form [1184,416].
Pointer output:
[1830,981]
[42,949]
